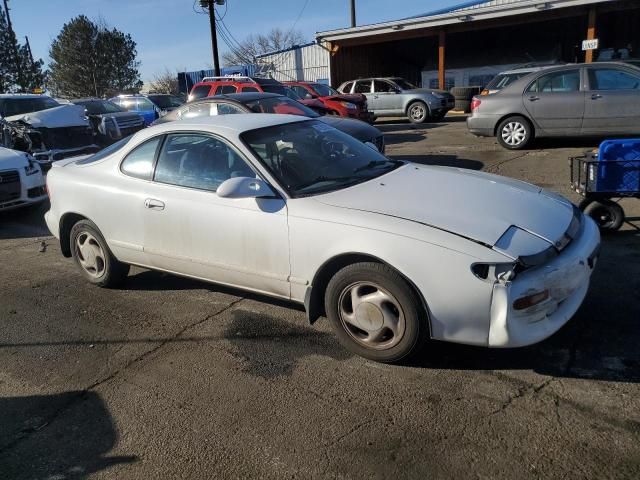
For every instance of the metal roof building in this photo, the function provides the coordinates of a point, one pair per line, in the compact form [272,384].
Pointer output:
[475,35]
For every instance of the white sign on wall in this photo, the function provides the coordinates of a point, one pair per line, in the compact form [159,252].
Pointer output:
[590,44]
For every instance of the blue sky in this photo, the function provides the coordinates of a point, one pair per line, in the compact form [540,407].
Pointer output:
[170,34]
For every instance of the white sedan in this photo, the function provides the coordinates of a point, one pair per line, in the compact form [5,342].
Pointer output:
[21,180]
[391,252]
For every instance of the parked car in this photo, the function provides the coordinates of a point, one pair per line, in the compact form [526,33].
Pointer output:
[210,86]
[393,97]
[290,207]
[165,102]
[21,180]
[110,122]
[345,105]
[315,105]
[596,99]
[39,125]
[139,104]
[272,103]
[503,79]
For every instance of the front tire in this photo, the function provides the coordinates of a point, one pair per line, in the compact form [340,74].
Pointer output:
[418,112]
[375,313]
[92,255]
[514,133]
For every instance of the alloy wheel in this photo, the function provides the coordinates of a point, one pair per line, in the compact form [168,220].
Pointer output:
[417,112]
[90,254]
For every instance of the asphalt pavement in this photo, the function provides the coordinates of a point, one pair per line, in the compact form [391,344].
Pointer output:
[174,378]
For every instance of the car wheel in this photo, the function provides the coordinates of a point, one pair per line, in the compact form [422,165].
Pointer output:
[375,313]
[92,255]
[606,213]
[418,112]
[514,133]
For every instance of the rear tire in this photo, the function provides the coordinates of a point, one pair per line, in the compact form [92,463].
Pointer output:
[418,112]
[514,133]
[606,213]
[93,257]
[375,313]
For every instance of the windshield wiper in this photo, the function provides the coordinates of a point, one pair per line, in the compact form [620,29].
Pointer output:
[323,178]
[377,163]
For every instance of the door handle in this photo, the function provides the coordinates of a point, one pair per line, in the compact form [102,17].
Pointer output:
[533,98]
[596,96]
[154,204]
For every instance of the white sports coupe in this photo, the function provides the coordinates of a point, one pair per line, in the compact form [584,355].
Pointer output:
[391,252]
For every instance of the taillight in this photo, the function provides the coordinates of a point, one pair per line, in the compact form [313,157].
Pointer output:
[484,92]
[475,103]
[529,301]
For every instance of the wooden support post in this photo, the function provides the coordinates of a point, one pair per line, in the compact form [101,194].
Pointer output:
[591,34]
[441,46]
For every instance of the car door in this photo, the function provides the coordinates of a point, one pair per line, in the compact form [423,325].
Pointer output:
[190,230]
[556,102]
[612,101]
[385,97]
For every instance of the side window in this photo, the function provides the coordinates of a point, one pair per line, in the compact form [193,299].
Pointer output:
[566,81]
[139,162]
[612,79]
[363,86]
[129,104]
[193,111]
[227,108]
[347,87]
[380,86]
[145,104]
[249,89]
[200,91]
[222,89]
[199,161]
[300,90]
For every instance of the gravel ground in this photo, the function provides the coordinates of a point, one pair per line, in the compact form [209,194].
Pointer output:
[172,378]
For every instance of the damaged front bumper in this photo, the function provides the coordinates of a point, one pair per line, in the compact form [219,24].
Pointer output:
[564,281]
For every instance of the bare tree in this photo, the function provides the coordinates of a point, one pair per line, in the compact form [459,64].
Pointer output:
[258,44]
[165,82]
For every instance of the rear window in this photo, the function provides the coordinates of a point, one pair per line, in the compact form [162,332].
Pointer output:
[279,89]
[223,89]
[200,91]
[504,79]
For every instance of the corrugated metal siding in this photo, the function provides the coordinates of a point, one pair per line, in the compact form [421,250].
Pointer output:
[307,63]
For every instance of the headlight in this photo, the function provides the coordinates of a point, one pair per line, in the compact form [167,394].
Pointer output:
[32,168]
[438,95]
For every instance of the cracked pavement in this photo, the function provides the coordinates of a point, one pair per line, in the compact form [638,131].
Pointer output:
[173,378]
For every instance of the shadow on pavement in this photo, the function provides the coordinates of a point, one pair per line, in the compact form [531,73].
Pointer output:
[63,436]
[26,222]
[441,160]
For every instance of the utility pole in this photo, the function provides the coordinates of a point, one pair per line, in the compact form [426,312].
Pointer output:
[14,44]
[353,13]
[214,36]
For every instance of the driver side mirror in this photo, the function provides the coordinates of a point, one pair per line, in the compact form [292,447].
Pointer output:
[245,187]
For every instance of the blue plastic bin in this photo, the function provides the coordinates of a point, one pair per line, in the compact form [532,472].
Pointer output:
[618,166]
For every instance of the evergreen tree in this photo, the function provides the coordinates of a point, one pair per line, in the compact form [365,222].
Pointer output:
[7,63]
[90,60]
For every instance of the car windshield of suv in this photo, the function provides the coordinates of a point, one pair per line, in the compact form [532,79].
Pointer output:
[312,157]
[17,106]
[324,90]
[403,84]
[502,80]
[282,105]
[98,108]
[165,101]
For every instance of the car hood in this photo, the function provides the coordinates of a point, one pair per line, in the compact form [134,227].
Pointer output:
[475,205]
[356,98]
[10,159]
[356,128]
[122,115]
[56,117]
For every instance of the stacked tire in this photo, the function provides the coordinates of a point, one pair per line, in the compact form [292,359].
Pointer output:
[463,96]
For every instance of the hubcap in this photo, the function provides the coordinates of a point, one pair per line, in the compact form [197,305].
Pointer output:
[417,112]
[90,254]
[513,133]
[371,315]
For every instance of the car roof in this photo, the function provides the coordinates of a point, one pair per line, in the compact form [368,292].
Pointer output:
[235,123]
[527,69]
[89,99]
[237,97]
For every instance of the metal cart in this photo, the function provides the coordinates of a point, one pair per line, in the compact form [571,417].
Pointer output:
[604,177]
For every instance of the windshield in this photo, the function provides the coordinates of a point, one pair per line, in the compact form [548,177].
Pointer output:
[165,101]
[291,93]
[18,106]
[279,89]
[282,105]
[98,108]
[503,79]
[311,157]
[403,84]
[324,90]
